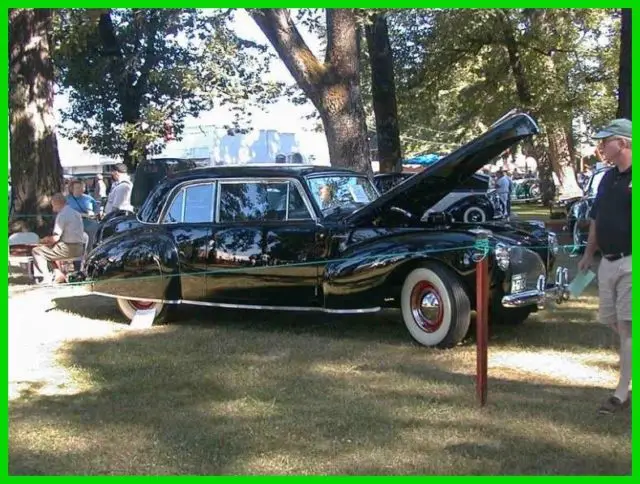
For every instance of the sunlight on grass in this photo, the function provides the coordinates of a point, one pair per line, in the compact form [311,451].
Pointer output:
[233,392]
[561,367]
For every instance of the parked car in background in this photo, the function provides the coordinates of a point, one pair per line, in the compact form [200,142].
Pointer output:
[525,190]
[471,201]
[304,238]
[578,220]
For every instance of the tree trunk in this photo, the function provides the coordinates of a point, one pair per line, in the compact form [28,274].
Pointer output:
[332,86]
[525,96]
[383,90]
[36,173]
[560,158]
[624,76]
[571,146]
[130,88]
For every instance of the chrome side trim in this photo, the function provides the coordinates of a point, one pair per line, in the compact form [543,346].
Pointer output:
[246,306]
[144,299]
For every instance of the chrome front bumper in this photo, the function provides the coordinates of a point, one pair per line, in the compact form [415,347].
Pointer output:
[559,291]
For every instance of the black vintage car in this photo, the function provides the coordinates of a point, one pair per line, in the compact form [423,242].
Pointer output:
[305,238]
[578,220]
[472,201]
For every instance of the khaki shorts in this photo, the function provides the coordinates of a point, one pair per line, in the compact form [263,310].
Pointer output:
[614,285]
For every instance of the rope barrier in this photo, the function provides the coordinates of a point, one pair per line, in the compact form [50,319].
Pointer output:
[477,252]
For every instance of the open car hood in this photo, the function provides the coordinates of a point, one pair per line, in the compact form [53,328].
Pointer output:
[423,190]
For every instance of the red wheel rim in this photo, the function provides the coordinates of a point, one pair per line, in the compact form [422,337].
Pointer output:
[426,307]
[141,304]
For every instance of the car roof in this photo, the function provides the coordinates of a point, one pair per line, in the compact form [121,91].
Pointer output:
[261,170]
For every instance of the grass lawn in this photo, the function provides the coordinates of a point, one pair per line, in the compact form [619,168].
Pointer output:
[238,392]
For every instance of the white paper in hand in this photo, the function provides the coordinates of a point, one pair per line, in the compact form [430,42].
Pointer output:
[143,319]
[580,283]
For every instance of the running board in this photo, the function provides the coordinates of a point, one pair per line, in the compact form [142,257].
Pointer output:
[247,306]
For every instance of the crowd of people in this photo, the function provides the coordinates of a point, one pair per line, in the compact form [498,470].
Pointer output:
[77,221]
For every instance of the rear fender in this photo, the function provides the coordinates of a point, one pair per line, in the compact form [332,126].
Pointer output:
[474,200]
[145,265]
[116,224]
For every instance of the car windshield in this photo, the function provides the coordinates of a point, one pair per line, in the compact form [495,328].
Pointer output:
[346,192]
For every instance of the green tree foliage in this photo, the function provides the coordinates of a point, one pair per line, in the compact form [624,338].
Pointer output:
[454,80]
[139,70]
[459,69]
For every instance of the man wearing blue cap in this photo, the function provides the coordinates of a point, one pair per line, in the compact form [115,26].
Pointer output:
[610,231]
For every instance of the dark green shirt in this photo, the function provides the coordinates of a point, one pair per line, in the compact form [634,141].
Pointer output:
[612,212]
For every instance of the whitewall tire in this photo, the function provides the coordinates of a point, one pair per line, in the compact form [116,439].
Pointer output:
[474,215]
[128,307]
[435,307]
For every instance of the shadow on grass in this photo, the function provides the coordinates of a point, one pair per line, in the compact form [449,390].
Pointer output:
[229,400]
[561,328]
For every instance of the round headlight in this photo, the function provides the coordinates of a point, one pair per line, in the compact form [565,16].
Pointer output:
[501,252]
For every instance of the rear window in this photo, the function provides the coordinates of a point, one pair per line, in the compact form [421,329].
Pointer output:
[150,173]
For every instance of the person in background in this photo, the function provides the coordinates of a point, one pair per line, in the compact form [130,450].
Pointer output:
[280,159]
[87,206]
[297,158]
[610,232]
[66,186]
[503,190]
[326,195]
[120,195]
[101,190]
[65,242]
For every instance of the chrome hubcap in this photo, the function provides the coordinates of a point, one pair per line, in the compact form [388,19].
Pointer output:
[426,307]
[430,306]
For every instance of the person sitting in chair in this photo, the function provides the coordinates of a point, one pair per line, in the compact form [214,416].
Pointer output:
[66,241]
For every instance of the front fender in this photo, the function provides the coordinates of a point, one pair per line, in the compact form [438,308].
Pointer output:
[367,273]
[141,264]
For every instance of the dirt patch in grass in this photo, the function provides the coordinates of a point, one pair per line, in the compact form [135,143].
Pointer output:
[238,392]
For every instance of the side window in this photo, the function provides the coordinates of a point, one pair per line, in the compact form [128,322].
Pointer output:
[175,211]
[243,202]
[198,207]
[194,204]
[297,208]
[253,201]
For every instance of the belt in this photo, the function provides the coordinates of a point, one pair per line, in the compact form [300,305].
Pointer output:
[615,257]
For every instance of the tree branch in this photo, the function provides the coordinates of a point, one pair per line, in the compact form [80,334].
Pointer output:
[277,26]
[150,54]
[108,36]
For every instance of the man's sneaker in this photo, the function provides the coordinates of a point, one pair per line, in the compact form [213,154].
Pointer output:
[614,405]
